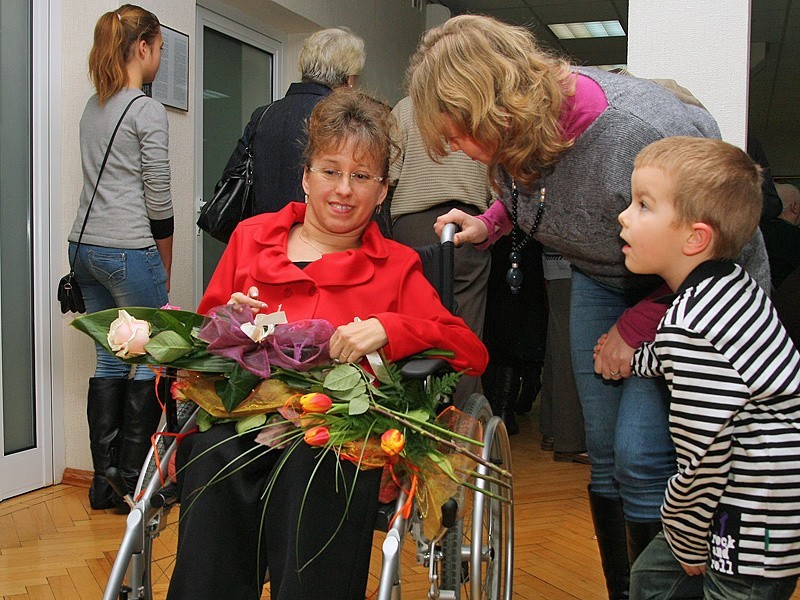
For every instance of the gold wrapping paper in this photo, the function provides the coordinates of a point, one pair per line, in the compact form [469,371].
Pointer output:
[268,396]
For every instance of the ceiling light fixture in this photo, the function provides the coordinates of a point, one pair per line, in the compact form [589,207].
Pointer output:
[588,29]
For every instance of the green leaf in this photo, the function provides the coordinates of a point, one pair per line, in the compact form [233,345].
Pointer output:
[359,405]
[252,422]
[360,389]
[441,461]
[168,346]
[238,386]
[204,420]
[342,378]
[419,415]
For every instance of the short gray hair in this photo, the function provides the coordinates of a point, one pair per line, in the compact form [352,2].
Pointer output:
[331,56]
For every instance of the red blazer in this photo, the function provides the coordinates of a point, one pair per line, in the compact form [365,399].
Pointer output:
[381,279]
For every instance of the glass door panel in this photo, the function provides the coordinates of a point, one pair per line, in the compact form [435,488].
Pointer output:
[237,79]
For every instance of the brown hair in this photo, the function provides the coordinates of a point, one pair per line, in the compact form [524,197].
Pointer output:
[715,183]
[115,36]
[498,86]
[350,113]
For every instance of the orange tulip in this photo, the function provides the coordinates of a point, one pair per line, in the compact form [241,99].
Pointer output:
[315,403]
[392,442]
[317,436]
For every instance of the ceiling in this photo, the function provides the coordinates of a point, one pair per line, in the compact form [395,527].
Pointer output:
[775,75]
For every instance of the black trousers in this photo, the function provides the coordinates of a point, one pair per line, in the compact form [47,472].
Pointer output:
[314,528]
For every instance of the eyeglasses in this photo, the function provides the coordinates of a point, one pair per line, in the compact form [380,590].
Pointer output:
[357,178]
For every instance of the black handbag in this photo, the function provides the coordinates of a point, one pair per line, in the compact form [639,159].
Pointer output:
[69,292]
[233,196]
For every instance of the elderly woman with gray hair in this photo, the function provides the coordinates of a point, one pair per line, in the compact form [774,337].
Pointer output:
[329,59]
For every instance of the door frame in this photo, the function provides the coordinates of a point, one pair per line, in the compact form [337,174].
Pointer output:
[258,39]
[32,469]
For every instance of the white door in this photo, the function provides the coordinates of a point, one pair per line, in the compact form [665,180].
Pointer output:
[26,436]
[237,69]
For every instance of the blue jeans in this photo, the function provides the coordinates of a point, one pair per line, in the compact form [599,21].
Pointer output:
[657,574]
[627,427]
[119,277]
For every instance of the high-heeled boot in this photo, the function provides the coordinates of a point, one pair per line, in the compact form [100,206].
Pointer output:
[531,386]
[609,527]
[105,403]
[504,396]
[142,414]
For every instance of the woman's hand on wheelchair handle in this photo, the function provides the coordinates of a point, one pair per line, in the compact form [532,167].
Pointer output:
[473,230]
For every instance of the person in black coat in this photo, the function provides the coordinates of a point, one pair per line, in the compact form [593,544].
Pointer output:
[328,59]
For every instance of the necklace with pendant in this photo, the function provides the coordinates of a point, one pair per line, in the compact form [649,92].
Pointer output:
[514,274]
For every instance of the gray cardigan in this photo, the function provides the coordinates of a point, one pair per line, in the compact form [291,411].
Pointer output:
[591,183]
[135,186]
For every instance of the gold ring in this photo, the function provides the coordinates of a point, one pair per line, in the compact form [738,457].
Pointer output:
[614,373]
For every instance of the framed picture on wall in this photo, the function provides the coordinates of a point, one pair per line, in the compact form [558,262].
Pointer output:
[171,85]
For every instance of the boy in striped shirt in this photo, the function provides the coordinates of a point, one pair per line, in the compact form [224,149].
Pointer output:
[731,515]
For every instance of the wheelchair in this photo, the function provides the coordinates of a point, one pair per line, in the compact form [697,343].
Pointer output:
[470,558]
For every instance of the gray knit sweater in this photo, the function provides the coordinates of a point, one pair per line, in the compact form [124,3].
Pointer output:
[135,186]
[591,183]
[423,183]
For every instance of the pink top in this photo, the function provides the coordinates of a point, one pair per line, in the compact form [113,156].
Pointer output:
[639,323]
[580,111]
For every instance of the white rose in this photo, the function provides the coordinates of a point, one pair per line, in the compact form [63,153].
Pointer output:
[127,336]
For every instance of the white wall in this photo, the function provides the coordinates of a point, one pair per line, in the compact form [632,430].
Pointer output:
[390,39]
[390,28]
[705,48]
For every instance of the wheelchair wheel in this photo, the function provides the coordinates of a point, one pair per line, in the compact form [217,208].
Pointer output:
[476,550]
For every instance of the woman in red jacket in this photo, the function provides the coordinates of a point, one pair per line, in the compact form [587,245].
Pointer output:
[327,260]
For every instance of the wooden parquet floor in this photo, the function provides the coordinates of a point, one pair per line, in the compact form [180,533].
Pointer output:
[54,547]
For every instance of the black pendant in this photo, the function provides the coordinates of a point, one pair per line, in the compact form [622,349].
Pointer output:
[514,275]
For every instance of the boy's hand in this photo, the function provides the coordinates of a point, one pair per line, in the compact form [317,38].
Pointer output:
[599,345]
[692,571]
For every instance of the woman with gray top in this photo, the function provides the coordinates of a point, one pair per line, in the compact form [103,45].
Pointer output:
[560,143]
[121,240]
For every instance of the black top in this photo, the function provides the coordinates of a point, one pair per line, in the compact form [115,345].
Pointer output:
[278,147]
[782,240]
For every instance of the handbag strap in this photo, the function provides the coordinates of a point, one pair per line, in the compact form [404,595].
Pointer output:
[97,183]
[255,130]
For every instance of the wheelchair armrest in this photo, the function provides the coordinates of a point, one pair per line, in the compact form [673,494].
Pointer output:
[422,368]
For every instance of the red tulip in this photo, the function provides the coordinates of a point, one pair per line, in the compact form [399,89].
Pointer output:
[315,403]
[392,442]
[317,436]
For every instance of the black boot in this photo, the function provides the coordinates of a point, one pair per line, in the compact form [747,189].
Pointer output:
[104,409]
[504,396]
[531,386]
[639,536]
[609,526]
[142,414]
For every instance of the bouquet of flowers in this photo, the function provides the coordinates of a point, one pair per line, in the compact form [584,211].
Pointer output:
[267,373]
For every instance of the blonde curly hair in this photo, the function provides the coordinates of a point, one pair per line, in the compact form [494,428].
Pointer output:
[498,86]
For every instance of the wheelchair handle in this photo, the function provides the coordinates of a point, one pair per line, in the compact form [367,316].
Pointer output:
[448,233]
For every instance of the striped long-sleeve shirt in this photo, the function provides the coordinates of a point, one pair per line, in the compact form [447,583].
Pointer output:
[734,376]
